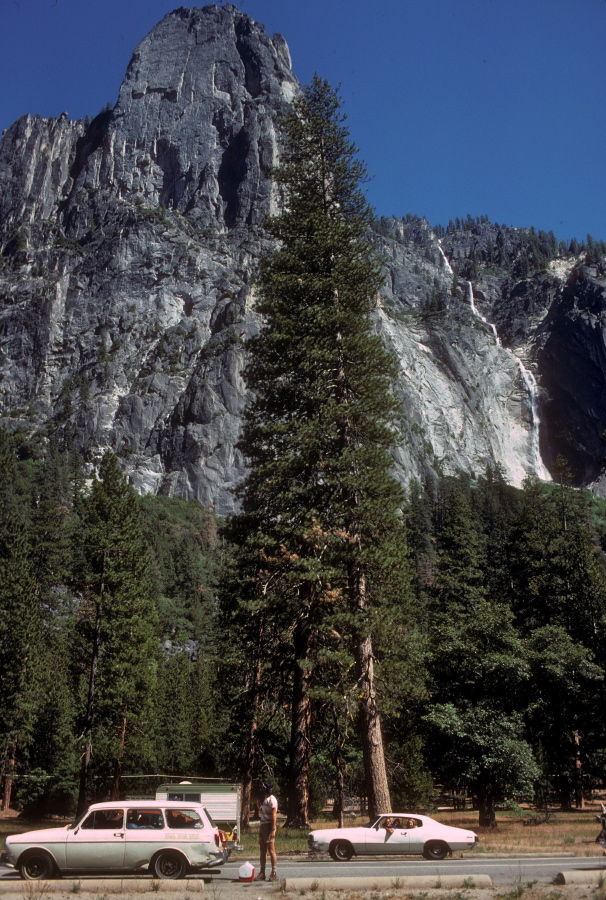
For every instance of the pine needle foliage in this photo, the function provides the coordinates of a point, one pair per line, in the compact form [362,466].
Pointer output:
[318,432]
[320,534]
[119,627]
[20,628]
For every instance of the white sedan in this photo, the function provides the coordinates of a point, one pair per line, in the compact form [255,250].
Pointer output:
[392,834]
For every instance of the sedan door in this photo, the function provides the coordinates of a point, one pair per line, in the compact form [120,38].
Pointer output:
[418,833]
[381,840]
[98,843]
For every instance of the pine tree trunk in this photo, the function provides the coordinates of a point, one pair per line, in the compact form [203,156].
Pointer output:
[6,793]
[578,786]
[247,775]
[300,741]
[339,807]
[375,771]
[118,767]
[90,709]
[7,788]
[486,805]
[251,750]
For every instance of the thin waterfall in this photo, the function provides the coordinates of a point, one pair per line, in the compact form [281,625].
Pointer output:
[533,392]
[481,317]
[531,384]
[445,258]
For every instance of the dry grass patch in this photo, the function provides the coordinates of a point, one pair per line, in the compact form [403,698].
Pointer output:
[565,831]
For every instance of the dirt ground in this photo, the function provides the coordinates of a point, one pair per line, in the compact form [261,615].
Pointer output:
[198,889]
[235,891]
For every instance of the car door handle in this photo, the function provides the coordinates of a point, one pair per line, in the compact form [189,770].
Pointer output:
[118,834]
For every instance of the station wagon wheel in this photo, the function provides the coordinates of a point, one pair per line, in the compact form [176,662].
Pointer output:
[341,851]
[36,865]
[169,864]
[435,850]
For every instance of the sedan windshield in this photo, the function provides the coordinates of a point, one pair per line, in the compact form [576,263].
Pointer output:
[77,820]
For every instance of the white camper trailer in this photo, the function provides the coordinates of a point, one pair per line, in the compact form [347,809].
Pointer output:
[222,800]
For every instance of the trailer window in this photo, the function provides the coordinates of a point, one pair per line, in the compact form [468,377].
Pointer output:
[184,798]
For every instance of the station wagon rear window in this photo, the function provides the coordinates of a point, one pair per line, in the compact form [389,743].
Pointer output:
[183,818]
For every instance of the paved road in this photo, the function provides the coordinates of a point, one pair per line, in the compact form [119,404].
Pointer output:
[502,871]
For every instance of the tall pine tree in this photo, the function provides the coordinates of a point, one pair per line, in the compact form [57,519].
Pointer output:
[20,627]
[118,628]
[320,530]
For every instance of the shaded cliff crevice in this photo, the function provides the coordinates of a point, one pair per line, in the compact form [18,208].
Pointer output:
[572,362]
[232,174]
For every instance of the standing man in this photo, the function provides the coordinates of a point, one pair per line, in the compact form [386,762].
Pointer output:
[267,832]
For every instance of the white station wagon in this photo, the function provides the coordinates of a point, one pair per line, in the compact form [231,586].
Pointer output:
[168,839]
[395,834]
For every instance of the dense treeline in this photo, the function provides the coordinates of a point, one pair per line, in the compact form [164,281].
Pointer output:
[514,589]
[489,666]
[108,659]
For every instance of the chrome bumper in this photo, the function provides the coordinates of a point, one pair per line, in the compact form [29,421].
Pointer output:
[222,856]
[315,845]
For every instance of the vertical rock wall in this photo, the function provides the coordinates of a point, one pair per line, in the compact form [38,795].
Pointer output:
[128,246]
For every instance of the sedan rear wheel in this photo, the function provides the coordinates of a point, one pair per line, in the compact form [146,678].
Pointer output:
[435,850]
[341,851]
[169,864]
[36,865]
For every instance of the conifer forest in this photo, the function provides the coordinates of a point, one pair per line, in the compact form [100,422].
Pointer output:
[341,634]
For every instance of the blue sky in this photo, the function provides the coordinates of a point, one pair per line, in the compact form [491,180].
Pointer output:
[492,107]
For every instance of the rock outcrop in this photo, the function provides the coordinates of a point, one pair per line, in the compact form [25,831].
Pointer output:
[128,245]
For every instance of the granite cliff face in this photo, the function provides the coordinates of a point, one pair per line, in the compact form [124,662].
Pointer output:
[128,245]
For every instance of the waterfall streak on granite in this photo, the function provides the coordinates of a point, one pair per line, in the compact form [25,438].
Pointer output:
[531,384]
[533,392]
[445,258]
[481,317]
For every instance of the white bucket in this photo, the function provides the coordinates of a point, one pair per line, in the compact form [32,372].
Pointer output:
[246,872]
